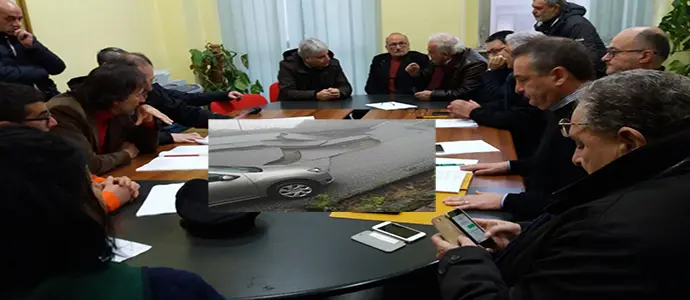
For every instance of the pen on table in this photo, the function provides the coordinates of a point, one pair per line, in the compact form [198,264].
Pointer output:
[433,117]
[449,165]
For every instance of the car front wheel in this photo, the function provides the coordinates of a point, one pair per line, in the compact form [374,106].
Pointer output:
[294,189]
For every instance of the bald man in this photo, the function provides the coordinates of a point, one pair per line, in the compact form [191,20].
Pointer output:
[22,58]
[637,48]
[387,71]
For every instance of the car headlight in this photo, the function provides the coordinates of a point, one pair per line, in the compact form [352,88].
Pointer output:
[315,170]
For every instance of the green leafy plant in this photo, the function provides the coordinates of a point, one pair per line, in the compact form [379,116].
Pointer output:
[677,25]
[215,69]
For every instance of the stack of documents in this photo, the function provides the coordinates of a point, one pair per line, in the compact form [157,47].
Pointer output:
[391,105]
[463,147]
[180,158]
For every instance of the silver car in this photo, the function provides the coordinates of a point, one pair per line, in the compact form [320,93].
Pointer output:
[234,184]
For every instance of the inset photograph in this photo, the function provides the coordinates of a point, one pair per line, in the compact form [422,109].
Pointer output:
[303,164]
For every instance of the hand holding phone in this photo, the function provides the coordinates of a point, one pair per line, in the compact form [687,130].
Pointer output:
[470,228]
[447,229]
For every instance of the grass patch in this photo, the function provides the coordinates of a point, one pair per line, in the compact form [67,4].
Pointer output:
[409,194]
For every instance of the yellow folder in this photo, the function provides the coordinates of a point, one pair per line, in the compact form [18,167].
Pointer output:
[423,218]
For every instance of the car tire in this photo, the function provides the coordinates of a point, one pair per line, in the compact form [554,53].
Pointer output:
[294,189]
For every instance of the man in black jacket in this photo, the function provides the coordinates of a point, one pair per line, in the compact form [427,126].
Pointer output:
[511,111]
[455,71]
[493,80]
[311,72]
[23,59]
[616,234]
[549,72]
[564,19]
[387,71]
[182,108]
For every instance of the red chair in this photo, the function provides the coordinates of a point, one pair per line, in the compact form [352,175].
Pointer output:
[273,92]
[247,101]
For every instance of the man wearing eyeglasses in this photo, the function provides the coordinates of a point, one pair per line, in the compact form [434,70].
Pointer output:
[550,72]
[637,48]
[387,71]
[22,104]
[620,232]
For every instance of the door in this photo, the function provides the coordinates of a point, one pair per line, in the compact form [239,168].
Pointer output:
[229,188]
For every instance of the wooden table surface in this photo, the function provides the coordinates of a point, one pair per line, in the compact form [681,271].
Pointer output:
[500,139]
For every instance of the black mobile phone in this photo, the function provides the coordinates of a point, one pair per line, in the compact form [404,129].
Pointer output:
[439,149]
[440,113]
[473,231]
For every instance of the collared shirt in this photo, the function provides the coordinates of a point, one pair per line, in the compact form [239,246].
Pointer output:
[565,101]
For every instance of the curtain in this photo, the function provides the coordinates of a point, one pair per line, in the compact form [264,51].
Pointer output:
[612,16]
[264,29]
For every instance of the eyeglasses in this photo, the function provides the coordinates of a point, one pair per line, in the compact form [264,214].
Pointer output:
[565,125]
[613,52]
[401,44]
[46,117]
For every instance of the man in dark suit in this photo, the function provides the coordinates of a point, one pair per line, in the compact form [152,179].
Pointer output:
[387,71]
[550,73]
[455,71]
[616,234]
[508,110]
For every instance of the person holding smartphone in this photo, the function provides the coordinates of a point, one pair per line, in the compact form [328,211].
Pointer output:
[615,234]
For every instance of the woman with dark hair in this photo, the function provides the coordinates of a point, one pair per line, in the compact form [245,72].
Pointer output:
[106,118]
[55,232]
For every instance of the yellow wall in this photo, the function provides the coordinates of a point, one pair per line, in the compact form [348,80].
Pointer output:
[164,30]
[419,19]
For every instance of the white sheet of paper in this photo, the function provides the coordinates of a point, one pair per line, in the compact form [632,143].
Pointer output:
[462,147]
[200,150]
[161,200]
[259,124]
[449,179]
[391,105]
[457,161]
[128,249]
[176,164]
[203,141]
[456,123]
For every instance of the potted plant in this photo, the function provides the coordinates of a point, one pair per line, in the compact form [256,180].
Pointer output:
[677,25]
[215,69]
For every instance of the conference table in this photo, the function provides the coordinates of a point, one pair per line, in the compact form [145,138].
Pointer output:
[299,255]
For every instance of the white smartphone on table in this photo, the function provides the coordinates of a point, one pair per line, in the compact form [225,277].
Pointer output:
[398,231]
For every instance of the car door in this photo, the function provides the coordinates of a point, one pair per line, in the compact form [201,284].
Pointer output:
[229,188]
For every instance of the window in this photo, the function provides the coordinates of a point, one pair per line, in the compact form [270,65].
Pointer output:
[264,29]
[608,16]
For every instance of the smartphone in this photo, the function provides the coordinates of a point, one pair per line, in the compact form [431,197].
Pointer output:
[448,230]
[398,231]
[439,149]
[470,228]
[378,241]
[440,113]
